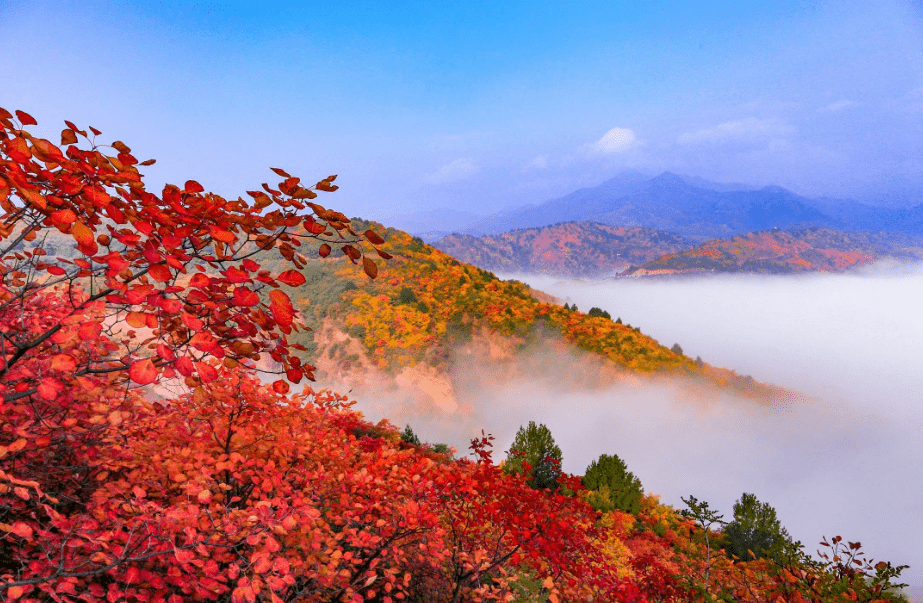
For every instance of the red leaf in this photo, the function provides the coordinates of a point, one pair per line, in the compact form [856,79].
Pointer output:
[324,250]
[68,136]
[199,280]
[164,351]
[121,147]
[281,307]
[193,322]
[48,388]
[63,362]
[47,152]
[369,267]
[21,529]
[313,227]
[203,340]
[18,150]
[63,217]
[193,187]
[160,273]
[351,252]
[224,236]
[236,275]
[184,555]
[145,228]
[281,387]
[292,278]
[25,118]
[206,372]
[171,305]
[245,297]
[143,372]
[89,331]
[97,196]
[373,237]
[137,320]
[184,366]
[82,234]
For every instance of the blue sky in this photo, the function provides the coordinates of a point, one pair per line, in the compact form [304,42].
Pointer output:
[484,105]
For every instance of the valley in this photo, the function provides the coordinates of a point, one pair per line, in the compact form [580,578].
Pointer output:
[828,463]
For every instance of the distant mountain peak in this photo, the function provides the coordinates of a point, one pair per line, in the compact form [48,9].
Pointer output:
[668,178]
[627,178]
[775,188]
[697,208]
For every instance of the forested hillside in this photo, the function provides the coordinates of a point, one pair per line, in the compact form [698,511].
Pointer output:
[576,249]
[425,306]
[781,252]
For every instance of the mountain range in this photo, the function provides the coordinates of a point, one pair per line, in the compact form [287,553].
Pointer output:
[700,209]
[636,225]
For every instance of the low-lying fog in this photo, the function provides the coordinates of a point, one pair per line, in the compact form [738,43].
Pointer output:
[846,461]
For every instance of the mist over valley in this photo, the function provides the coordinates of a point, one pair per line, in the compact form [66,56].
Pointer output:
[836,458]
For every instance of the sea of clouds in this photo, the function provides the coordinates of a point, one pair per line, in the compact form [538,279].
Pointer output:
[843,459]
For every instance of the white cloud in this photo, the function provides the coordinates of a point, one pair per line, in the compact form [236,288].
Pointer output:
[540,162]
[616,140]
[840,105]
[455,170]
[748,128]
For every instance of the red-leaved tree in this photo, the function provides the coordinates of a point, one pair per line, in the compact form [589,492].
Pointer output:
[106,287]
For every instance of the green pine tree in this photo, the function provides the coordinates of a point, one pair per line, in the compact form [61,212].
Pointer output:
[755,531]
[409,436]
[534,445]
[612,485]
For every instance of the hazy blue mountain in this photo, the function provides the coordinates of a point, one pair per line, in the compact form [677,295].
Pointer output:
[668,202]
[580,205]
[907,221]
[700,209]
[724,187]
